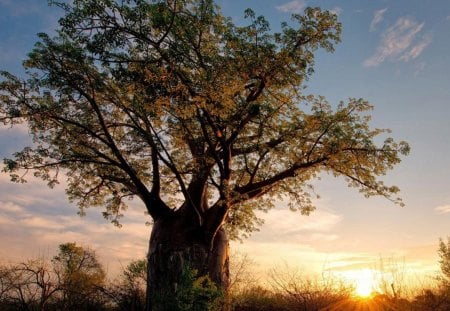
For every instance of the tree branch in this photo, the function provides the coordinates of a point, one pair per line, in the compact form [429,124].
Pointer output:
[252,188]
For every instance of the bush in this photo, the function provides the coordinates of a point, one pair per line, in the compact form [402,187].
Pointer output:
[194,293]
[128,292]
[259,299]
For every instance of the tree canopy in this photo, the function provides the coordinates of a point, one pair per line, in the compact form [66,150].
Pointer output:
[172,102]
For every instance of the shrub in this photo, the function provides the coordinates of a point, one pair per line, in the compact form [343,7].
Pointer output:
[193,293]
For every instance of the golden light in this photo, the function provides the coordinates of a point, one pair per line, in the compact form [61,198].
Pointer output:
[363,280]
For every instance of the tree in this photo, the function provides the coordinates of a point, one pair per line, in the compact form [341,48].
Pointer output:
[444,261]
[203,120]
[72,280]
[29,285]
[129,291]
[5,285]
[81,277]
[242,276]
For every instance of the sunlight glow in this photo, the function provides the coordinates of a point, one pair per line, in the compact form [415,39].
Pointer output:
[363,280]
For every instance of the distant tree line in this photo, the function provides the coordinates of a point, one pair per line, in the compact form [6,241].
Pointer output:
[75,279]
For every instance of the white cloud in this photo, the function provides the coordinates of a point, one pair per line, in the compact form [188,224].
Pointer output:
[417,49]
[42,222]
[25,234]
[295,6]
[32,193]
[10,207]
[283,225]
[34,220]
[284,221]
[377,18]
[443,209]
[400,42]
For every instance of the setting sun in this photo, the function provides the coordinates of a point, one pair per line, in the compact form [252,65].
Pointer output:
[363,281]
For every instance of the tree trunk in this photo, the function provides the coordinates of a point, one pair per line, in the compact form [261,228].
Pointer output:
[179,252]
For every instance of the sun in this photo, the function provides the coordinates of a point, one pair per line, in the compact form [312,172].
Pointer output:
[363,289]
[364,283]
[363,280]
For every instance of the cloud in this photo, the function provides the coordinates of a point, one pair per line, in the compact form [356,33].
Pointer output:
[355,262]
[377,18]
[34,220]
[291,227]
[443,209]
[27,234]
[400,42]
[417,49]
[10,207]
[295,6]
[285,221]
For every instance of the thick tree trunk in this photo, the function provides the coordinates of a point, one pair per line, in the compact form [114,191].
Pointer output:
[178,246]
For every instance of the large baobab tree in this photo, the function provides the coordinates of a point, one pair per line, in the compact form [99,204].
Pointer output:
[204,121]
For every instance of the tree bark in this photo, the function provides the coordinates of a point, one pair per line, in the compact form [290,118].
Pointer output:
[179,244]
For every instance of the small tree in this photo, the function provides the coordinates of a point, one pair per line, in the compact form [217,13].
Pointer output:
[242,274]
[72,280]
[444,261]
[438,298]
[4,284]
[81,277]
[128,292]
[31,285]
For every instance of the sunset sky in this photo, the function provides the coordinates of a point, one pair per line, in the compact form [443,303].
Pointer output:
[394,53]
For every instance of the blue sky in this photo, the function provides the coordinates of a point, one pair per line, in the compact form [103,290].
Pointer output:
[396,54]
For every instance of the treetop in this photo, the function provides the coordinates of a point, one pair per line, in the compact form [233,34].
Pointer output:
[170,100]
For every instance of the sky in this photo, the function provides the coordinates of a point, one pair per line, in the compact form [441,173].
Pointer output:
[396,54]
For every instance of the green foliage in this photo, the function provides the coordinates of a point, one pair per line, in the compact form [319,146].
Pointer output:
[78,264]
[82,275]
[128,292]
[197,293]
[444,261]
[131,97]
[136,269]
[192,293]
